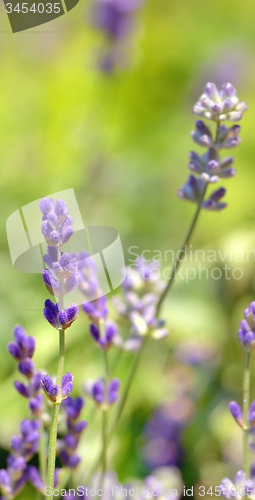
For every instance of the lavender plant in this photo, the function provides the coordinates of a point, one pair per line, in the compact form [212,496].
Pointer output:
[137,310]
[115,19]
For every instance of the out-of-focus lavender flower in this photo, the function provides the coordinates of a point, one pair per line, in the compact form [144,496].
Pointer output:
[197,353]
[115,18]
[52,390]
[242,488]
[87,275]
[96,309]
[23,347]
[22,350]
[104,339]
[70,441]
[141,291]
[220,105]
[163,432]
[246,332]
[23,447]
[61,320]
[98,392]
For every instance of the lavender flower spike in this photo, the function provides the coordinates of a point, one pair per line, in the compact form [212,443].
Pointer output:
[216,105]
[220,105]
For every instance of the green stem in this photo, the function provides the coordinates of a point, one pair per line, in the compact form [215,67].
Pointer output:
[54,423]
[246,404]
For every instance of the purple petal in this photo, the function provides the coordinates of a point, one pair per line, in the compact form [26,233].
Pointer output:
[22,389]
[66,385]
[35,478]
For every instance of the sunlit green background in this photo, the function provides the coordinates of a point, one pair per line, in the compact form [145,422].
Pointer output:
[122,142]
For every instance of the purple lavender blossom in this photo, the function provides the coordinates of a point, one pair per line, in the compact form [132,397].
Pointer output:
[97,391]
[115,18]
[104,339]
[220,105]
[34,477]
[217,106]
[96,309]
[70,441]
[236,412]
[22,350]
[52,390]
[242,488]
[163,432]
[210,167]
[246,332]
[87,275]
[61,320]
[23,347]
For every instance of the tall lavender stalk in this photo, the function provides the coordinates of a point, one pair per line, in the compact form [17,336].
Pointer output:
[60,278]
[216,106]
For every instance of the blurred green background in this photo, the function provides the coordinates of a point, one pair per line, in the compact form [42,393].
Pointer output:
[122,142]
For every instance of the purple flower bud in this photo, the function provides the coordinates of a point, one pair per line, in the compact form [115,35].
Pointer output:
[70,442]
[46,205]
[105,341]
[22,389]
[5,483]
[98,391]
[14,351]
[67,317]
[16,466]
[67,234]
[60,208]
[70,461]
[20,338]
[26,367]
[51,390]
[96,309]
[236,412]
[71,283]
[73,407]
[47,278]
[36,405]
[66,385]
[252,414]
[16,444]
[51,313]
[113,390]
[35,382]
[34,477]
[79,427]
